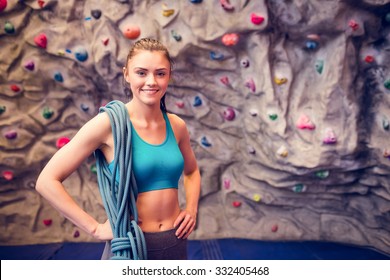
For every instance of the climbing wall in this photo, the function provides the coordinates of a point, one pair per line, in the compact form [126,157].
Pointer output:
[287,104]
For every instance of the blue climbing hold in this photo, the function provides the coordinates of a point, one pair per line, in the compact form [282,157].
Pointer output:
[197,101]
[58,77]
[205,142]
[311,45]
[196,1]
[81,54]
[215,56]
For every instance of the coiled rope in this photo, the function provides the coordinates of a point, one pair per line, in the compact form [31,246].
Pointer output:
[119,199]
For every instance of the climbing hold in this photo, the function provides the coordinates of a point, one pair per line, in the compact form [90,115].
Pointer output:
[385,124]
[251,150]
[47,222]
[61,52]
[15,88]
[41,40]
[280,81]
[282,151]
[215,56]
[197,101]
[256,197]
[225,4]
[58,77]
[68,50]
[386,154]
[76,234]
[322,174]
[253,112]
[251,85]
[81,54]
[311,44]
[386,84]
[305,123]
[8,175]
[132,32]
[330,136]
[11,134]
[274,228]
[196,1]
[236,203]
[230,39]
[256,19]
[41,3]
[84,107]
[93,169]
[87,18]
[96,13]
[229,114]
[353,25]
[47,112]
[180,104]
[369,59]
[225,80]
[3,5]
[29,65]
[273,116]
[226,183]
[387,17]
[2,109]
[62,141]
[175,36]
[9,28]
[105,41]
[167,12]
[298,188]
[319,65]
[244,63]
[205,142]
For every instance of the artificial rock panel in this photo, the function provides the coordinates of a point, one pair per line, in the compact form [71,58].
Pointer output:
[287,103]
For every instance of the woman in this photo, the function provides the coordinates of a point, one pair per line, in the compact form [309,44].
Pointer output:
[148,71]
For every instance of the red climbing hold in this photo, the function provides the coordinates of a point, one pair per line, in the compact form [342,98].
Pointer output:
[41,3]
[15,88]
[256,19]
[369,59]
[62,142]
[230,39]
[274,228]
[41,40]
[236,203]
[47,222]
[353,24]
[3,5]
[8,175]
[105,41]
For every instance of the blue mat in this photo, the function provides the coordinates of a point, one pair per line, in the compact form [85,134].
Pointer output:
[216,249]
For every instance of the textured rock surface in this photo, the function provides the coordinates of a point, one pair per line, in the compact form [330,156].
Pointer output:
[306,156]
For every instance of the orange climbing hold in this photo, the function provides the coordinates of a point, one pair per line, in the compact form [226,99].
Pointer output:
[132,32]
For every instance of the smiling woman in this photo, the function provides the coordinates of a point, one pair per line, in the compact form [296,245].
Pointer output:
[160,155]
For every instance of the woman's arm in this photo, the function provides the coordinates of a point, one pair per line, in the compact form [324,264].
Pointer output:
[66,160]
[192,180]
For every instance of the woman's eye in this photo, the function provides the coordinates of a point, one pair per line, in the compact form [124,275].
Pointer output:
[161,74]
[141,73]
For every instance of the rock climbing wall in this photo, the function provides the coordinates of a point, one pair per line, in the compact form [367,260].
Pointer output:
[287,104]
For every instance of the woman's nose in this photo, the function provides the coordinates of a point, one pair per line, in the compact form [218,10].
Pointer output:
[151,80]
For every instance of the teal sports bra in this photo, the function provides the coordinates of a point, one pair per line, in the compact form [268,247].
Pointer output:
[155,167]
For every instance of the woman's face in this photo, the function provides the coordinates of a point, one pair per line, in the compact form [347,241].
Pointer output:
[148,73]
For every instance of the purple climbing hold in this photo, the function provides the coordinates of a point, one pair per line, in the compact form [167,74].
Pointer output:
[96,13]
[330,136]
[29,65]
[251,85]
[244,63]
[10,135]
[229,114]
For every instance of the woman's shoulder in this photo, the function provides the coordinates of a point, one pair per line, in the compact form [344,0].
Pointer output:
[176,120]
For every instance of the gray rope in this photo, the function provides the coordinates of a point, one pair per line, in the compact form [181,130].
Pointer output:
[119,199]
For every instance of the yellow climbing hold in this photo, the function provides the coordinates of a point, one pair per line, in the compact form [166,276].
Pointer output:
[256,197]
[167,12]
[280,81]
[61,52]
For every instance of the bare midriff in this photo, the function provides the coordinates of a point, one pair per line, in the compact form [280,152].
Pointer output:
[157,210]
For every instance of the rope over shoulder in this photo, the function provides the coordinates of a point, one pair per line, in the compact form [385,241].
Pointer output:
[119,199]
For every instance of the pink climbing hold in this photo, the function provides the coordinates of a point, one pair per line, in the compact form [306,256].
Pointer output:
[256,19]
[10,135]
[274,228]
[230,39]
[330,137]
[225,4]
[353,24]
[47,222]
[62,142]
[236,204]
[251,85]
[229,114]
[225,80]
[41,40]
[8,175]
[226,183]
[180,104]
[3,5]
[305,123]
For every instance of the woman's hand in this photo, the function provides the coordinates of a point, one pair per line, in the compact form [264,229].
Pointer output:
[187,222]
[103,231]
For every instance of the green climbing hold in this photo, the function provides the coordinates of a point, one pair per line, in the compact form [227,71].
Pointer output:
[387,17]
[2,109]
[387,84]
[298,188]
[319,66]
[273,116]
[93,169]
[322,174]
[47,113]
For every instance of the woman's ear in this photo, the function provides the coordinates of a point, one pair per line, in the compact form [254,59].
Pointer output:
[124,70]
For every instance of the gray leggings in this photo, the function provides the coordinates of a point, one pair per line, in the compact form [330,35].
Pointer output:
[162,245]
